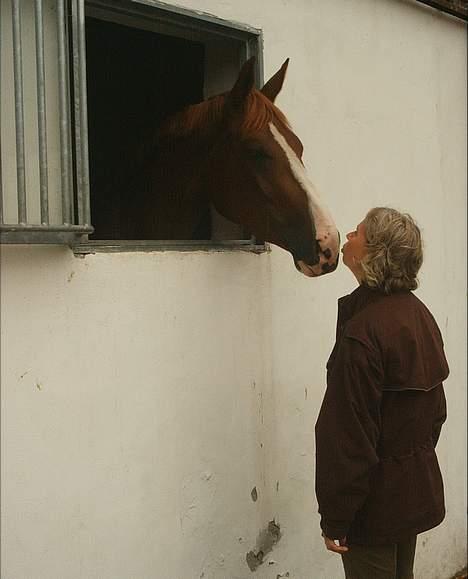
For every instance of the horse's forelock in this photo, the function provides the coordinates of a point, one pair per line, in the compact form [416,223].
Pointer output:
[203,117]
[260,112]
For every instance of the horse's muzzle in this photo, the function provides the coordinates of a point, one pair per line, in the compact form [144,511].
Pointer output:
[324,266]
[323,260]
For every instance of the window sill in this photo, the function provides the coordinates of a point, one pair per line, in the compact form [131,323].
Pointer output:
[119,246]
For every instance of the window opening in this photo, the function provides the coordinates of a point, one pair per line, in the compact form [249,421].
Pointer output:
[136,80]
[141,69]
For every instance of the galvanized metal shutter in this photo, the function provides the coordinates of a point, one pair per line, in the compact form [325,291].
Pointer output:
[60,83]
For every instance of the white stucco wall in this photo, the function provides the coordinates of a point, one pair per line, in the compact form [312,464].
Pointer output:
[145,395]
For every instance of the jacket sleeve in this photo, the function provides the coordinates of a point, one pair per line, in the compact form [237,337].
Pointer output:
[347,433]
[440,417]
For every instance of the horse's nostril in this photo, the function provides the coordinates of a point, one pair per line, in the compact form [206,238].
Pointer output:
[329,267]
[327,253]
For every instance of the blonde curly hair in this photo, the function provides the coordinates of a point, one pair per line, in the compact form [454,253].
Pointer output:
[394,250]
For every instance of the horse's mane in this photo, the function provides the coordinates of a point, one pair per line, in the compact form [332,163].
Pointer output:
[201,118]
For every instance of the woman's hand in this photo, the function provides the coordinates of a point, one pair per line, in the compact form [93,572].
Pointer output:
[337,546]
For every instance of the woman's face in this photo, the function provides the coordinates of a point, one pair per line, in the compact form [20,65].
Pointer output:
[355,249]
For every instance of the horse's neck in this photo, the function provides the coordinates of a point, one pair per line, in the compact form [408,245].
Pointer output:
[174,199]
[180,166]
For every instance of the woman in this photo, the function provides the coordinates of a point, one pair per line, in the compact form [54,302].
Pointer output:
[378,481]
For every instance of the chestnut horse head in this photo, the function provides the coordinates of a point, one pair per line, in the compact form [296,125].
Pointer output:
[238,151]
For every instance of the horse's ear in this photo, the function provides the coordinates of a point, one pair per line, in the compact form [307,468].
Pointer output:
[236,98]
[274,85]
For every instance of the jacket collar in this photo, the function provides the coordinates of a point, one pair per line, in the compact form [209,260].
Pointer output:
[356,301]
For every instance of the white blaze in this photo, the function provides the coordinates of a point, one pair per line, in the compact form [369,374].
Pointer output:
[326,232]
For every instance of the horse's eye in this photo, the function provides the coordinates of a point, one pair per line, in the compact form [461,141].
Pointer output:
[258,154]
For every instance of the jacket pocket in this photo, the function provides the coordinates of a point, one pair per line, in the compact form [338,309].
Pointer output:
[406,495]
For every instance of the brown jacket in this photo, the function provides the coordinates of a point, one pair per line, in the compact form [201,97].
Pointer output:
[377,476]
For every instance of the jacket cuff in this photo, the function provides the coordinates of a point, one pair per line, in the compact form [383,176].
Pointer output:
[334,529]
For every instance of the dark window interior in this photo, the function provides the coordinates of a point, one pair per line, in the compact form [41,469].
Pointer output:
[135,80]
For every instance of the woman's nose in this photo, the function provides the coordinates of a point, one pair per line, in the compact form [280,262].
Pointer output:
[348,236]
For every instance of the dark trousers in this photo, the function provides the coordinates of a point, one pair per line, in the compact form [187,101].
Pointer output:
[380,562]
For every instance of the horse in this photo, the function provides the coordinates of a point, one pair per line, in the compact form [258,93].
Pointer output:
[238,152]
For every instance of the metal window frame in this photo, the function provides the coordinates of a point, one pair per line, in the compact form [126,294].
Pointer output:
[175,19]
[75,225]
